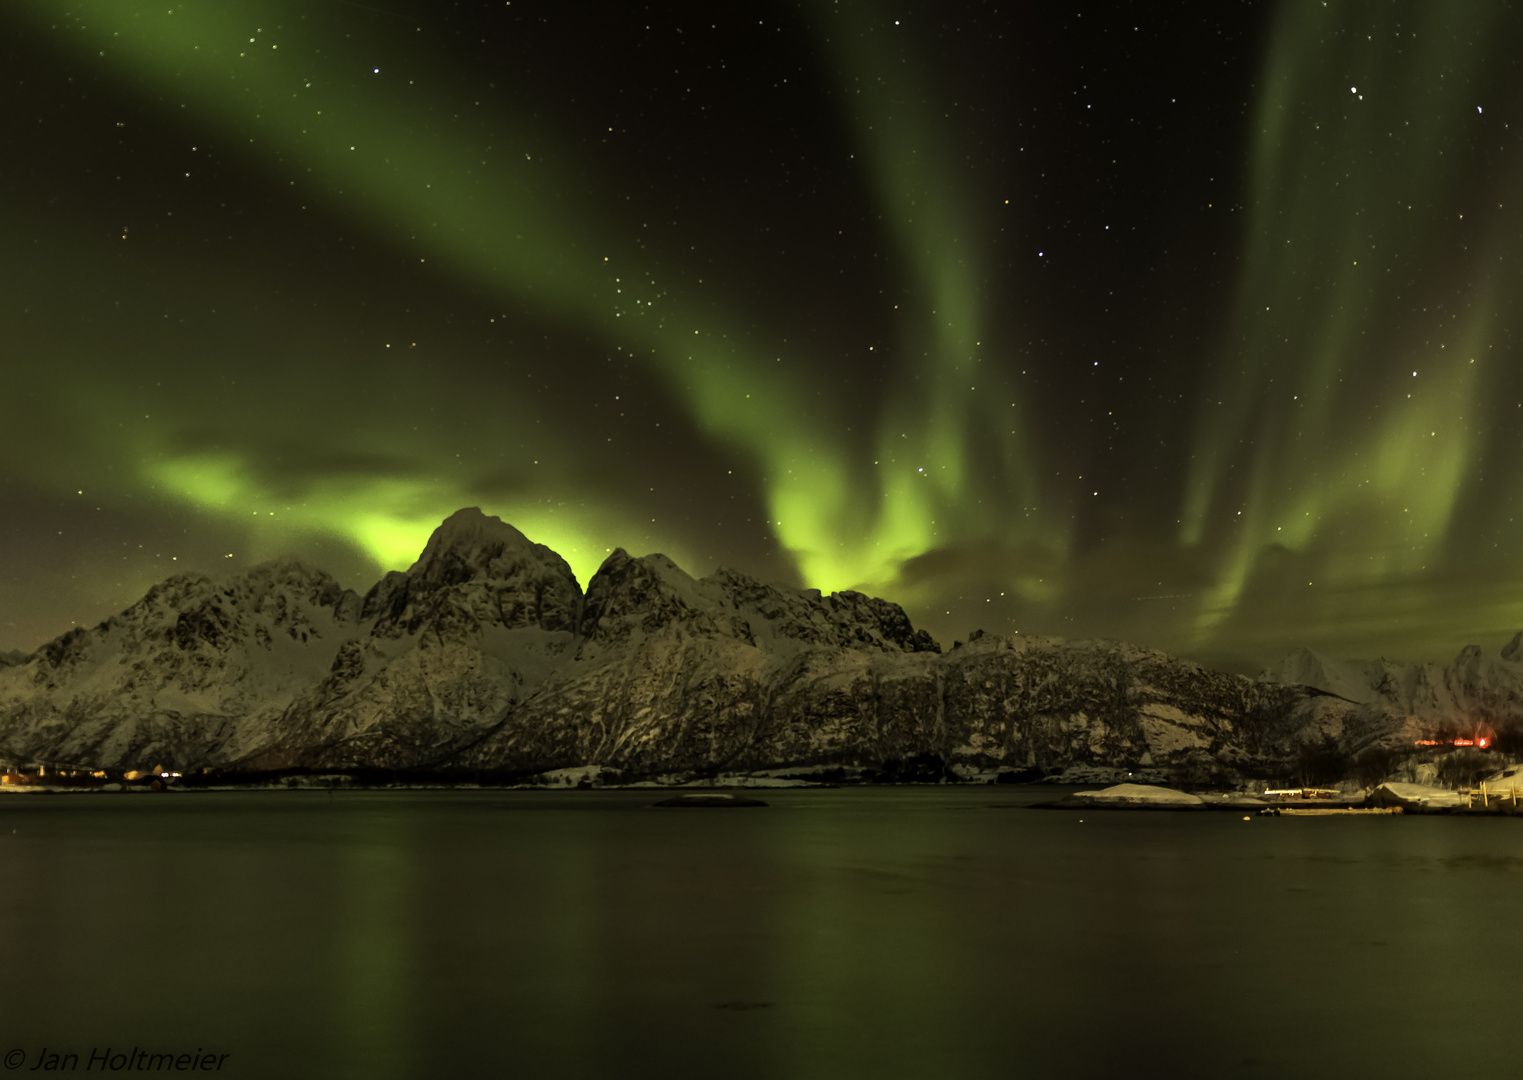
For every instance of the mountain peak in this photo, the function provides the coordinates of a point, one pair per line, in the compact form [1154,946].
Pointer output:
[1307,667]
[482,566]
[469,528]
[469,544]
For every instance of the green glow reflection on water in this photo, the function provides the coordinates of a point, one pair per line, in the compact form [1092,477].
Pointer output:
[890,932]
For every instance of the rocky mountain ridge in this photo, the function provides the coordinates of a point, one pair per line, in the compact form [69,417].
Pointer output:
[1474,690]
[486,656]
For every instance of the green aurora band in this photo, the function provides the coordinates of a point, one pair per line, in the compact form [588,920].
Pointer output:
[1317,473]
[494,223]
[1319,479]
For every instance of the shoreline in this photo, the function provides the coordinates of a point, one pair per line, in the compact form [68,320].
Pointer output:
[1372,802]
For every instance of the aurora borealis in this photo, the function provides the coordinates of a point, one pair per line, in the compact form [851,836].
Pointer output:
[1194,330]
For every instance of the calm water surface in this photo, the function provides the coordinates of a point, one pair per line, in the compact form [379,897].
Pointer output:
[890,932]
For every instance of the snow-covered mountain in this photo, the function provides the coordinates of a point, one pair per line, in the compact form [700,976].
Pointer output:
[1474,689]
[485,655]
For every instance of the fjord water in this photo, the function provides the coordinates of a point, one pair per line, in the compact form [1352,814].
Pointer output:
[860,932]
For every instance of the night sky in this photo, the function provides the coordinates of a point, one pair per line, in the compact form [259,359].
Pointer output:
[1194,325]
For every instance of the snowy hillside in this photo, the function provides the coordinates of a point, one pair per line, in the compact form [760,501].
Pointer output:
[1473,689]
[485,655]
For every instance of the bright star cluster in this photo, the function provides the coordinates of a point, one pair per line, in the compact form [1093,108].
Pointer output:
[1187,328]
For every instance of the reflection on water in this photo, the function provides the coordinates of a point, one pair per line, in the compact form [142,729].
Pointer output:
[894,932]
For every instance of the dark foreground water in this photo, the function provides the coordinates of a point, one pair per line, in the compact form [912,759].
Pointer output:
[891,932]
